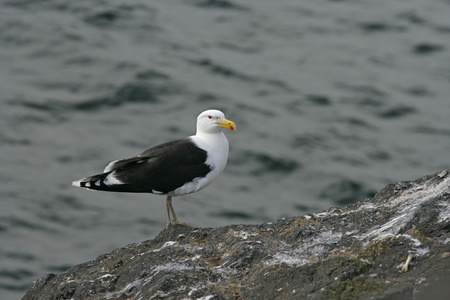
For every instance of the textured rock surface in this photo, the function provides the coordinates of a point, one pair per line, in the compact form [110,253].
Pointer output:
[353,252]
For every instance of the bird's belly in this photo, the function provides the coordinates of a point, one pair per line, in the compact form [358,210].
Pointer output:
[195,185]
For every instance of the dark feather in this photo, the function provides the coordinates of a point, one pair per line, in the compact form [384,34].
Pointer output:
[162,169]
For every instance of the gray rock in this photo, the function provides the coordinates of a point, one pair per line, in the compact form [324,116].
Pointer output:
[353,252]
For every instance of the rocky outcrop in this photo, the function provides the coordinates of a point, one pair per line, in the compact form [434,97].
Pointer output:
[393,246]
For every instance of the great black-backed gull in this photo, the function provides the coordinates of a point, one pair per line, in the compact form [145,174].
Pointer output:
[172,169]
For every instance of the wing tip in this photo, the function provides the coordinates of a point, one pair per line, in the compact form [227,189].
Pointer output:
[81,183]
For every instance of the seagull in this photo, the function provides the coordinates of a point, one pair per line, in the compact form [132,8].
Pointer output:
[175,168]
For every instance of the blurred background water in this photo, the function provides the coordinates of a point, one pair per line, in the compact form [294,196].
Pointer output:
[332,101]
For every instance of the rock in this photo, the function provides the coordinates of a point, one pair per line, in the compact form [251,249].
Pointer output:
[354,252]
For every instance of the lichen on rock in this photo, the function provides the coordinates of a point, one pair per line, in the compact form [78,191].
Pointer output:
[393,246]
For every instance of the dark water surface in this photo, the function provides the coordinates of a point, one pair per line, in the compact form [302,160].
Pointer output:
[332,100]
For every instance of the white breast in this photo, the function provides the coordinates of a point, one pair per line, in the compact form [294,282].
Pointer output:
[216,145]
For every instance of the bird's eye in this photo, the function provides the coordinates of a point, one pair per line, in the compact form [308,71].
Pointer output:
[209,117]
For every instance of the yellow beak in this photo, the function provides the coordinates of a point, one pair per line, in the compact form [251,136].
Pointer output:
[227,124]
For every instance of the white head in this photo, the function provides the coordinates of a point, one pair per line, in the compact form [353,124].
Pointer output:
[212,121]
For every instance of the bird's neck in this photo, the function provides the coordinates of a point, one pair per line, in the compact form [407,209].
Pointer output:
[216,141]
[212,136]
[217,146]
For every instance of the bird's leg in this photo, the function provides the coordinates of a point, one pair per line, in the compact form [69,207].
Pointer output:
[168,199]
[170,210]
[174,215]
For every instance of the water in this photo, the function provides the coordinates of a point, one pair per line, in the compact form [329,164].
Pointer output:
[332,101]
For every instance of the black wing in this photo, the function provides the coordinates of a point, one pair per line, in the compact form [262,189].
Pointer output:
[160,169]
